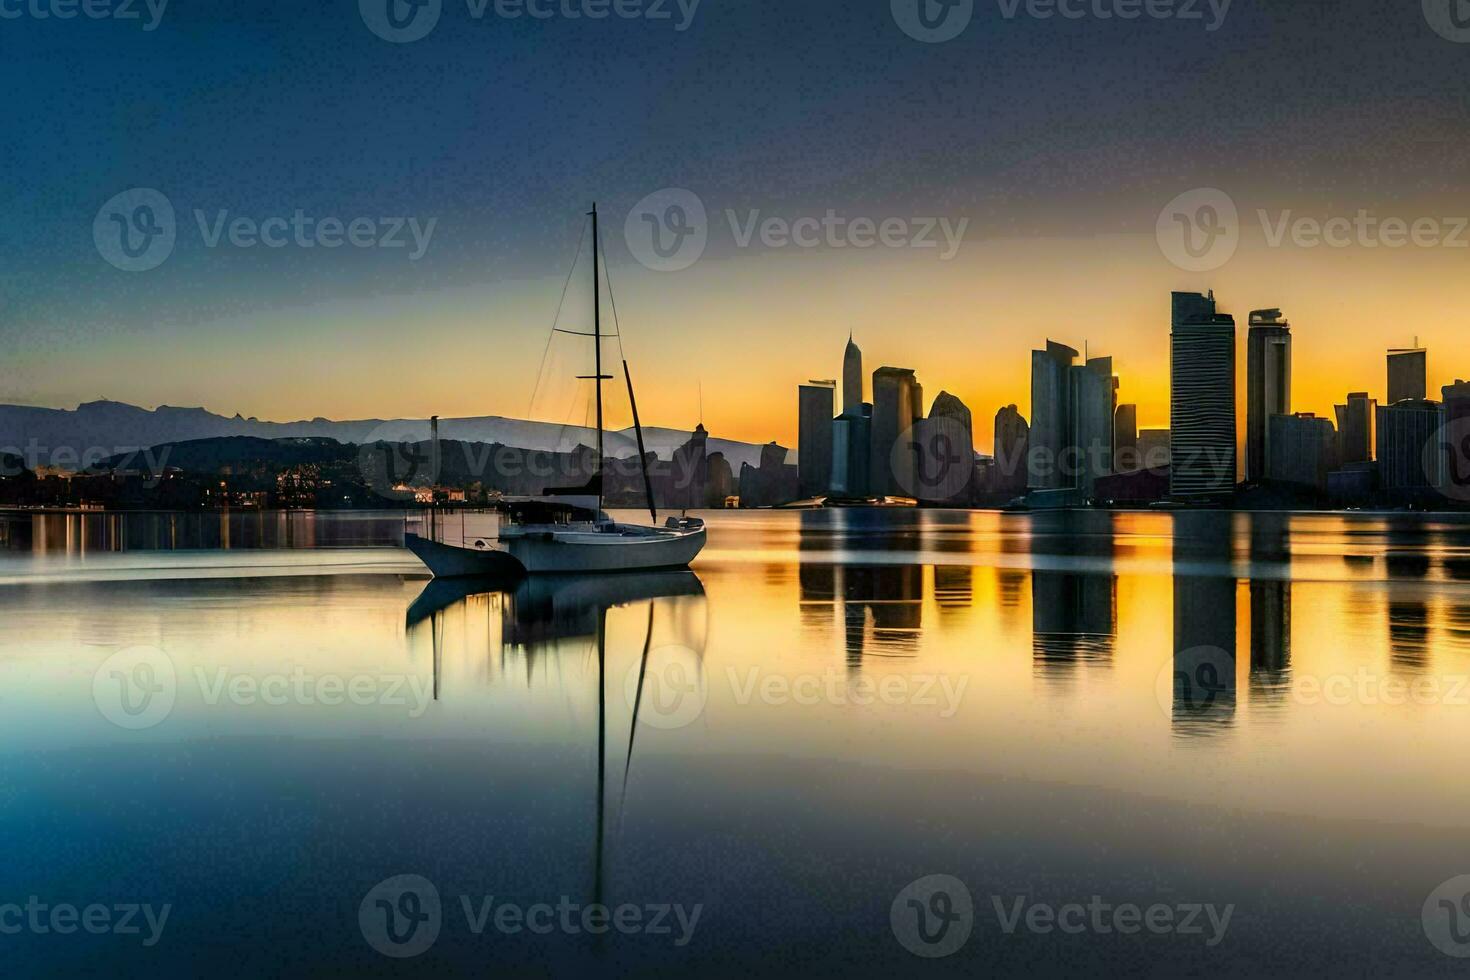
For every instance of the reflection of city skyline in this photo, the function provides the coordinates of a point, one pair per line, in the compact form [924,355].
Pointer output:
[1270,608]
[1232,582]
[1074,614]
[1204,623]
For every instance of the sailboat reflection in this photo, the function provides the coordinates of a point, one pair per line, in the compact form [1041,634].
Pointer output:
[541,616]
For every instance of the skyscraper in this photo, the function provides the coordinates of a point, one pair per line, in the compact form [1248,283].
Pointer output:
[1407,374]
[1012,439]
[1407,465]
[896,405]
[1201,398]
[1454,442]
[851,431]
[851,442]
[1094,402]
[814,438]
[1268,386]
[1051,414]
[1355,424]
[1303,450]
[946,452]
[1125,438]
[852,378]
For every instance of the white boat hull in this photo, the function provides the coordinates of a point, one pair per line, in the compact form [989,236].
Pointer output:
[450,561]
[625,548]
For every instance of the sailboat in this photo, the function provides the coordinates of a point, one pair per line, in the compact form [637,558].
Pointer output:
[570,533]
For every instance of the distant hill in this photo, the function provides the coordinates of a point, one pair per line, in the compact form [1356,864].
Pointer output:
[214,455]
[106,428]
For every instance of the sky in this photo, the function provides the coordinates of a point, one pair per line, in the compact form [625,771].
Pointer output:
[1027,173]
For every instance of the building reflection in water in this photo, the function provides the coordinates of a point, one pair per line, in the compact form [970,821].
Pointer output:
[1204,687]
[882,610]
[1010,582]
[954,587]
[1270,589]
[1074,592]
[954,581]
[1457,609]
[881,604]
[1410,542]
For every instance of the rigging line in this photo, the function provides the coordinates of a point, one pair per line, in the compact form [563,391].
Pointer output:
[580,333]
[607,275]
[633,726]
[540,372]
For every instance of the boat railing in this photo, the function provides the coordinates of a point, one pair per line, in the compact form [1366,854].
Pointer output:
[469,528]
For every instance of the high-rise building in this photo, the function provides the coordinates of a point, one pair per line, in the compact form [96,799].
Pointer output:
[1125,438]
[852,378]
[1355,423]
[851,442]
[1051,415]
[896,406]
[947,453]
[1154,449]
[1455,441]
[1407,374]
[1303,450]
[1407,464]
[1094,402]
[1012,439]
[1268,386]
[721,483]
[814,438]
[1201,398]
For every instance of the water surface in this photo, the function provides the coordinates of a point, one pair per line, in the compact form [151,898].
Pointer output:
[1262,711]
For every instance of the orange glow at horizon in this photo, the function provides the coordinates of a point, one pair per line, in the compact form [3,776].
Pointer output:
[751,328]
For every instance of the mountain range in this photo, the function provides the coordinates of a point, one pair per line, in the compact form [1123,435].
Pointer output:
[100,429]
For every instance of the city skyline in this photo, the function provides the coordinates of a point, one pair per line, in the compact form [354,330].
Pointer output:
[1031,170]
[1314,392]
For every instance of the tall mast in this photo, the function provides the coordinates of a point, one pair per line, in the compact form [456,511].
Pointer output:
[597,349]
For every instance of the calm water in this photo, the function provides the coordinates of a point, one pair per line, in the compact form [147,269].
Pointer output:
[1268,713]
